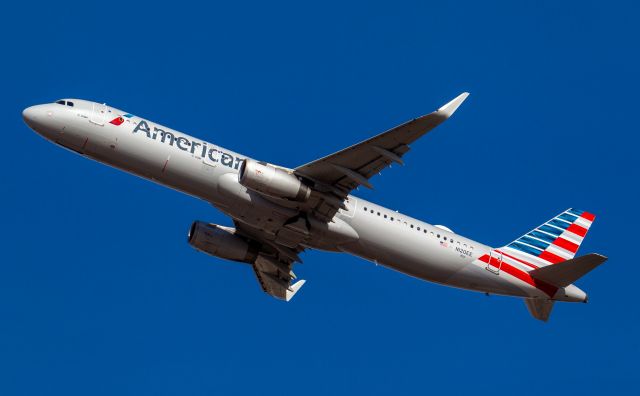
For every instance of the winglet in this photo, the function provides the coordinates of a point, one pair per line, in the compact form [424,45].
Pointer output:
[448,109]
[294,289]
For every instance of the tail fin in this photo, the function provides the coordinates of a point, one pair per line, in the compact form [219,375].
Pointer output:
[555,241]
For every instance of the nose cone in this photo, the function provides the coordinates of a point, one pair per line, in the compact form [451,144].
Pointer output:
[30,115]
[41,119]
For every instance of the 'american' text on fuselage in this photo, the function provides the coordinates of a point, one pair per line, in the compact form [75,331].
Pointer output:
[197,148]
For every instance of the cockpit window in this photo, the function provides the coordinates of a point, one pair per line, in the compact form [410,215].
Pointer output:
[64,102]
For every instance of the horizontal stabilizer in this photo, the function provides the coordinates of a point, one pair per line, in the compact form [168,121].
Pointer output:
[567,272]
[539,309]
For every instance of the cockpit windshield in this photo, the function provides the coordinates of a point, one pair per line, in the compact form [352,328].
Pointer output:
[64,102]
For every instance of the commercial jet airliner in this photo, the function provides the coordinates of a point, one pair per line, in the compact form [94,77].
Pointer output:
[278,212]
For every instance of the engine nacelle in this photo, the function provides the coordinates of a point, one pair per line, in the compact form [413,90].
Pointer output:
[221,242]
[274,182]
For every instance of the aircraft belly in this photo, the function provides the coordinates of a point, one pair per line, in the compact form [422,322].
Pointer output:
[185,173]
[476,277]
[418,254]
[409,253]
[102,143]
[131,153]
[449,271]
[72,138]
[154,161]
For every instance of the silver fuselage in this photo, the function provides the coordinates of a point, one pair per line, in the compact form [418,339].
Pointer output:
[209,172]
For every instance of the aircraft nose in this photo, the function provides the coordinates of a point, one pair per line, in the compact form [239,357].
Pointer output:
[29,115]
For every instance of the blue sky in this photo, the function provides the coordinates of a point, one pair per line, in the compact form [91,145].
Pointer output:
[100,293]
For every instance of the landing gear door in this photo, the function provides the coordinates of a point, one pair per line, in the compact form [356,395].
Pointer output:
[98,114]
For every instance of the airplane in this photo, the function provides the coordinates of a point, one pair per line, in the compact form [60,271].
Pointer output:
[279,212]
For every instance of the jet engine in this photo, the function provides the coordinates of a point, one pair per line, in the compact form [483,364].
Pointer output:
[221,242]
[274,182]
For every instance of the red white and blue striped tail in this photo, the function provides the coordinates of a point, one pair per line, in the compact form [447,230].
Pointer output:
[553,242]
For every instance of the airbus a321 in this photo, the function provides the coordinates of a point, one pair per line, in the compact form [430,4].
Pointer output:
[278,212]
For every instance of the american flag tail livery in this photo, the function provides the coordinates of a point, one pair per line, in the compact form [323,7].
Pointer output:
[545,258]
[553,242]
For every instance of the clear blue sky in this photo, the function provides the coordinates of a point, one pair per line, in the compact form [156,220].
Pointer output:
[101,295]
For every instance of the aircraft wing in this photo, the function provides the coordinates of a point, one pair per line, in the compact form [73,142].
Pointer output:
[275,278]
[273,265]
[347,169]
[333,177]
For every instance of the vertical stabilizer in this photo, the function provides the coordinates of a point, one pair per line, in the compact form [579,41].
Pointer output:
[553,242]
